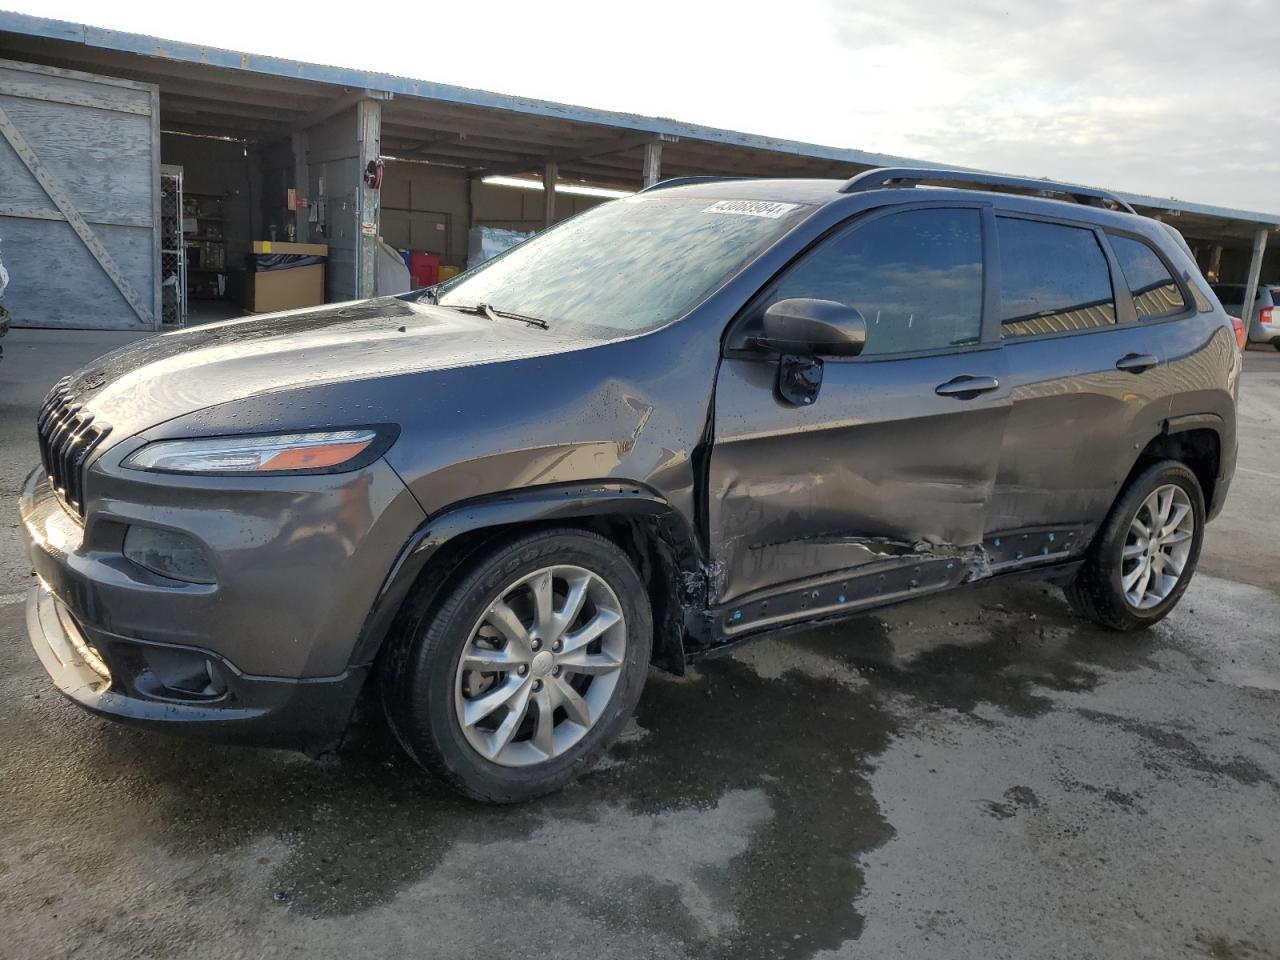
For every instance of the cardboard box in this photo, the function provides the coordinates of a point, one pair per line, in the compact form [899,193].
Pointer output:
[287,287]
[271,290]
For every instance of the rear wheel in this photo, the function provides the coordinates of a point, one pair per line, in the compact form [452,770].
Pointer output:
[522,676]
[1145,554]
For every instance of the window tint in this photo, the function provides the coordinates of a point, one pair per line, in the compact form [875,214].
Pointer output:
[916,276]
[1155,292]
[1053,278]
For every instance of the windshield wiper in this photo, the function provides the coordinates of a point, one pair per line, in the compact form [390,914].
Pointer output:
[493,314]
[484,310]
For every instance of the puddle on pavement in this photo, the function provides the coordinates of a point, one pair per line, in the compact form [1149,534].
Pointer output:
[1003,646]
[361,828]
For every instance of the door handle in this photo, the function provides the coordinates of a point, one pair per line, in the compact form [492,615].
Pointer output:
[966,388]
[1136,362]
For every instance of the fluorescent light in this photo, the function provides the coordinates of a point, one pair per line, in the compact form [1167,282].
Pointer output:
[578,188]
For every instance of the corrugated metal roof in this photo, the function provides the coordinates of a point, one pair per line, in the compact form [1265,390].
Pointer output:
[447,93]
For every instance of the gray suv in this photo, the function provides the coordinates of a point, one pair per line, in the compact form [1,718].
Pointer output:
[674,421]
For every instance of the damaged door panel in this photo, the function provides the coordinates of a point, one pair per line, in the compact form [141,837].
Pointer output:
[880,472]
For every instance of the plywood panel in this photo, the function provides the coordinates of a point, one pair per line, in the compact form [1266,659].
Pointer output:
[96,143]
[102,160]
[55,282]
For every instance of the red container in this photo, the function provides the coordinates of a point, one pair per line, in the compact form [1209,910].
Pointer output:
[424,270]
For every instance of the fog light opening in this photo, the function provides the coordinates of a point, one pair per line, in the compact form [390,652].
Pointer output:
[185,673]
[168,554]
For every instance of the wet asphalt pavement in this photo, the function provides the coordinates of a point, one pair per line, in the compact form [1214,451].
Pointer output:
[978,775]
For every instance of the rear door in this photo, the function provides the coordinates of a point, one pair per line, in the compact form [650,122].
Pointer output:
[1197,352]
[1085,385]
[884,479]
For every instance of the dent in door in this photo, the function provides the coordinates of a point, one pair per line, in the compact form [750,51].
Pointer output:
[840,485]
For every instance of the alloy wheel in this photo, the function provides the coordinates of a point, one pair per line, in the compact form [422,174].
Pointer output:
[1157,546]
[540,666]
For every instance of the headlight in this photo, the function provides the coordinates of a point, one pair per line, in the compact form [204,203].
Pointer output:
[283,453]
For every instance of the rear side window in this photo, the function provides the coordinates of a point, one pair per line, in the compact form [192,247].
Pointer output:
[1053,279]
[1155,292]
[916,276]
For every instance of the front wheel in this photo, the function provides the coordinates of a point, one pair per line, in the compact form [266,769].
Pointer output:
[1145,554]
[524,674]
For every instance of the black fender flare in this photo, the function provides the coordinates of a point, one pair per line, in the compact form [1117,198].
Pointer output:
[1170,431]
[532,505]
[1195,421]
[1169,427]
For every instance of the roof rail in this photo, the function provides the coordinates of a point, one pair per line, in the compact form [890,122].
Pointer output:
[883,177]
[683,181]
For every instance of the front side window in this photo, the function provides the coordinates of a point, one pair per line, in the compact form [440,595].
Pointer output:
[1053,279]
[1155,292]
[628,266]
[916,277]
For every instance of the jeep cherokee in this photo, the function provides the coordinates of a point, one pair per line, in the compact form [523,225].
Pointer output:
[669,423]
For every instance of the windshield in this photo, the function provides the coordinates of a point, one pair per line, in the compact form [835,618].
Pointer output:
[627,266]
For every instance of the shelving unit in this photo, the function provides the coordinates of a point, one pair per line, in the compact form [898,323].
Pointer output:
[205,246]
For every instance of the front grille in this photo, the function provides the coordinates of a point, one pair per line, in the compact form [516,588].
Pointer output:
[67,438]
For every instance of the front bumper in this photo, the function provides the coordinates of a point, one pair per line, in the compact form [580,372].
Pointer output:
[127,680]
[261,657]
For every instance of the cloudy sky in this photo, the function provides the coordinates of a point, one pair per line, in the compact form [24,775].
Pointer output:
[1169,97]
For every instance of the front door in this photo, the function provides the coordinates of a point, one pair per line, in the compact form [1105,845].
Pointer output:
[880,487]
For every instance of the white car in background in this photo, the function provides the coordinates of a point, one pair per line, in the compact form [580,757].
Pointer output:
[1264,324]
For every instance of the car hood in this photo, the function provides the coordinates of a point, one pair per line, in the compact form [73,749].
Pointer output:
[151,381]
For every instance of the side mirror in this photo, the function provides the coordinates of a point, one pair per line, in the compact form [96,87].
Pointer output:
[813,328]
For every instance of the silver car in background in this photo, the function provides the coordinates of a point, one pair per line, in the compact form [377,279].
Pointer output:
[1264,322]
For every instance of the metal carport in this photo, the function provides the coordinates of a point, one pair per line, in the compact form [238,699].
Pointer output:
[336,120]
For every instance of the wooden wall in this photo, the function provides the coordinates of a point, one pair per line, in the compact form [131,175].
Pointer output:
[80,235]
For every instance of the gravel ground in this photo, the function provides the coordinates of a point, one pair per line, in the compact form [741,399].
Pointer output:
[974,776]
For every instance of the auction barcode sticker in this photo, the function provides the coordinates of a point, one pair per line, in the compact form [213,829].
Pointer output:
[769,209]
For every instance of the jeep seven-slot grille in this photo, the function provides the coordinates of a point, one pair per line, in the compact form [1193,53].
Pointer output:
[67,438]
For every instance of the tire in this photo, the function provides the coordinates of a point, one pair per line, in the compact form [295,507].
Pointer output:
[1098,589]
[435,704]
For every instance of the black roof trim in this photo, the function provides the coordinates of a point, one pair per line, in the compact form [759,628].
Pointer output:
[884,177]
